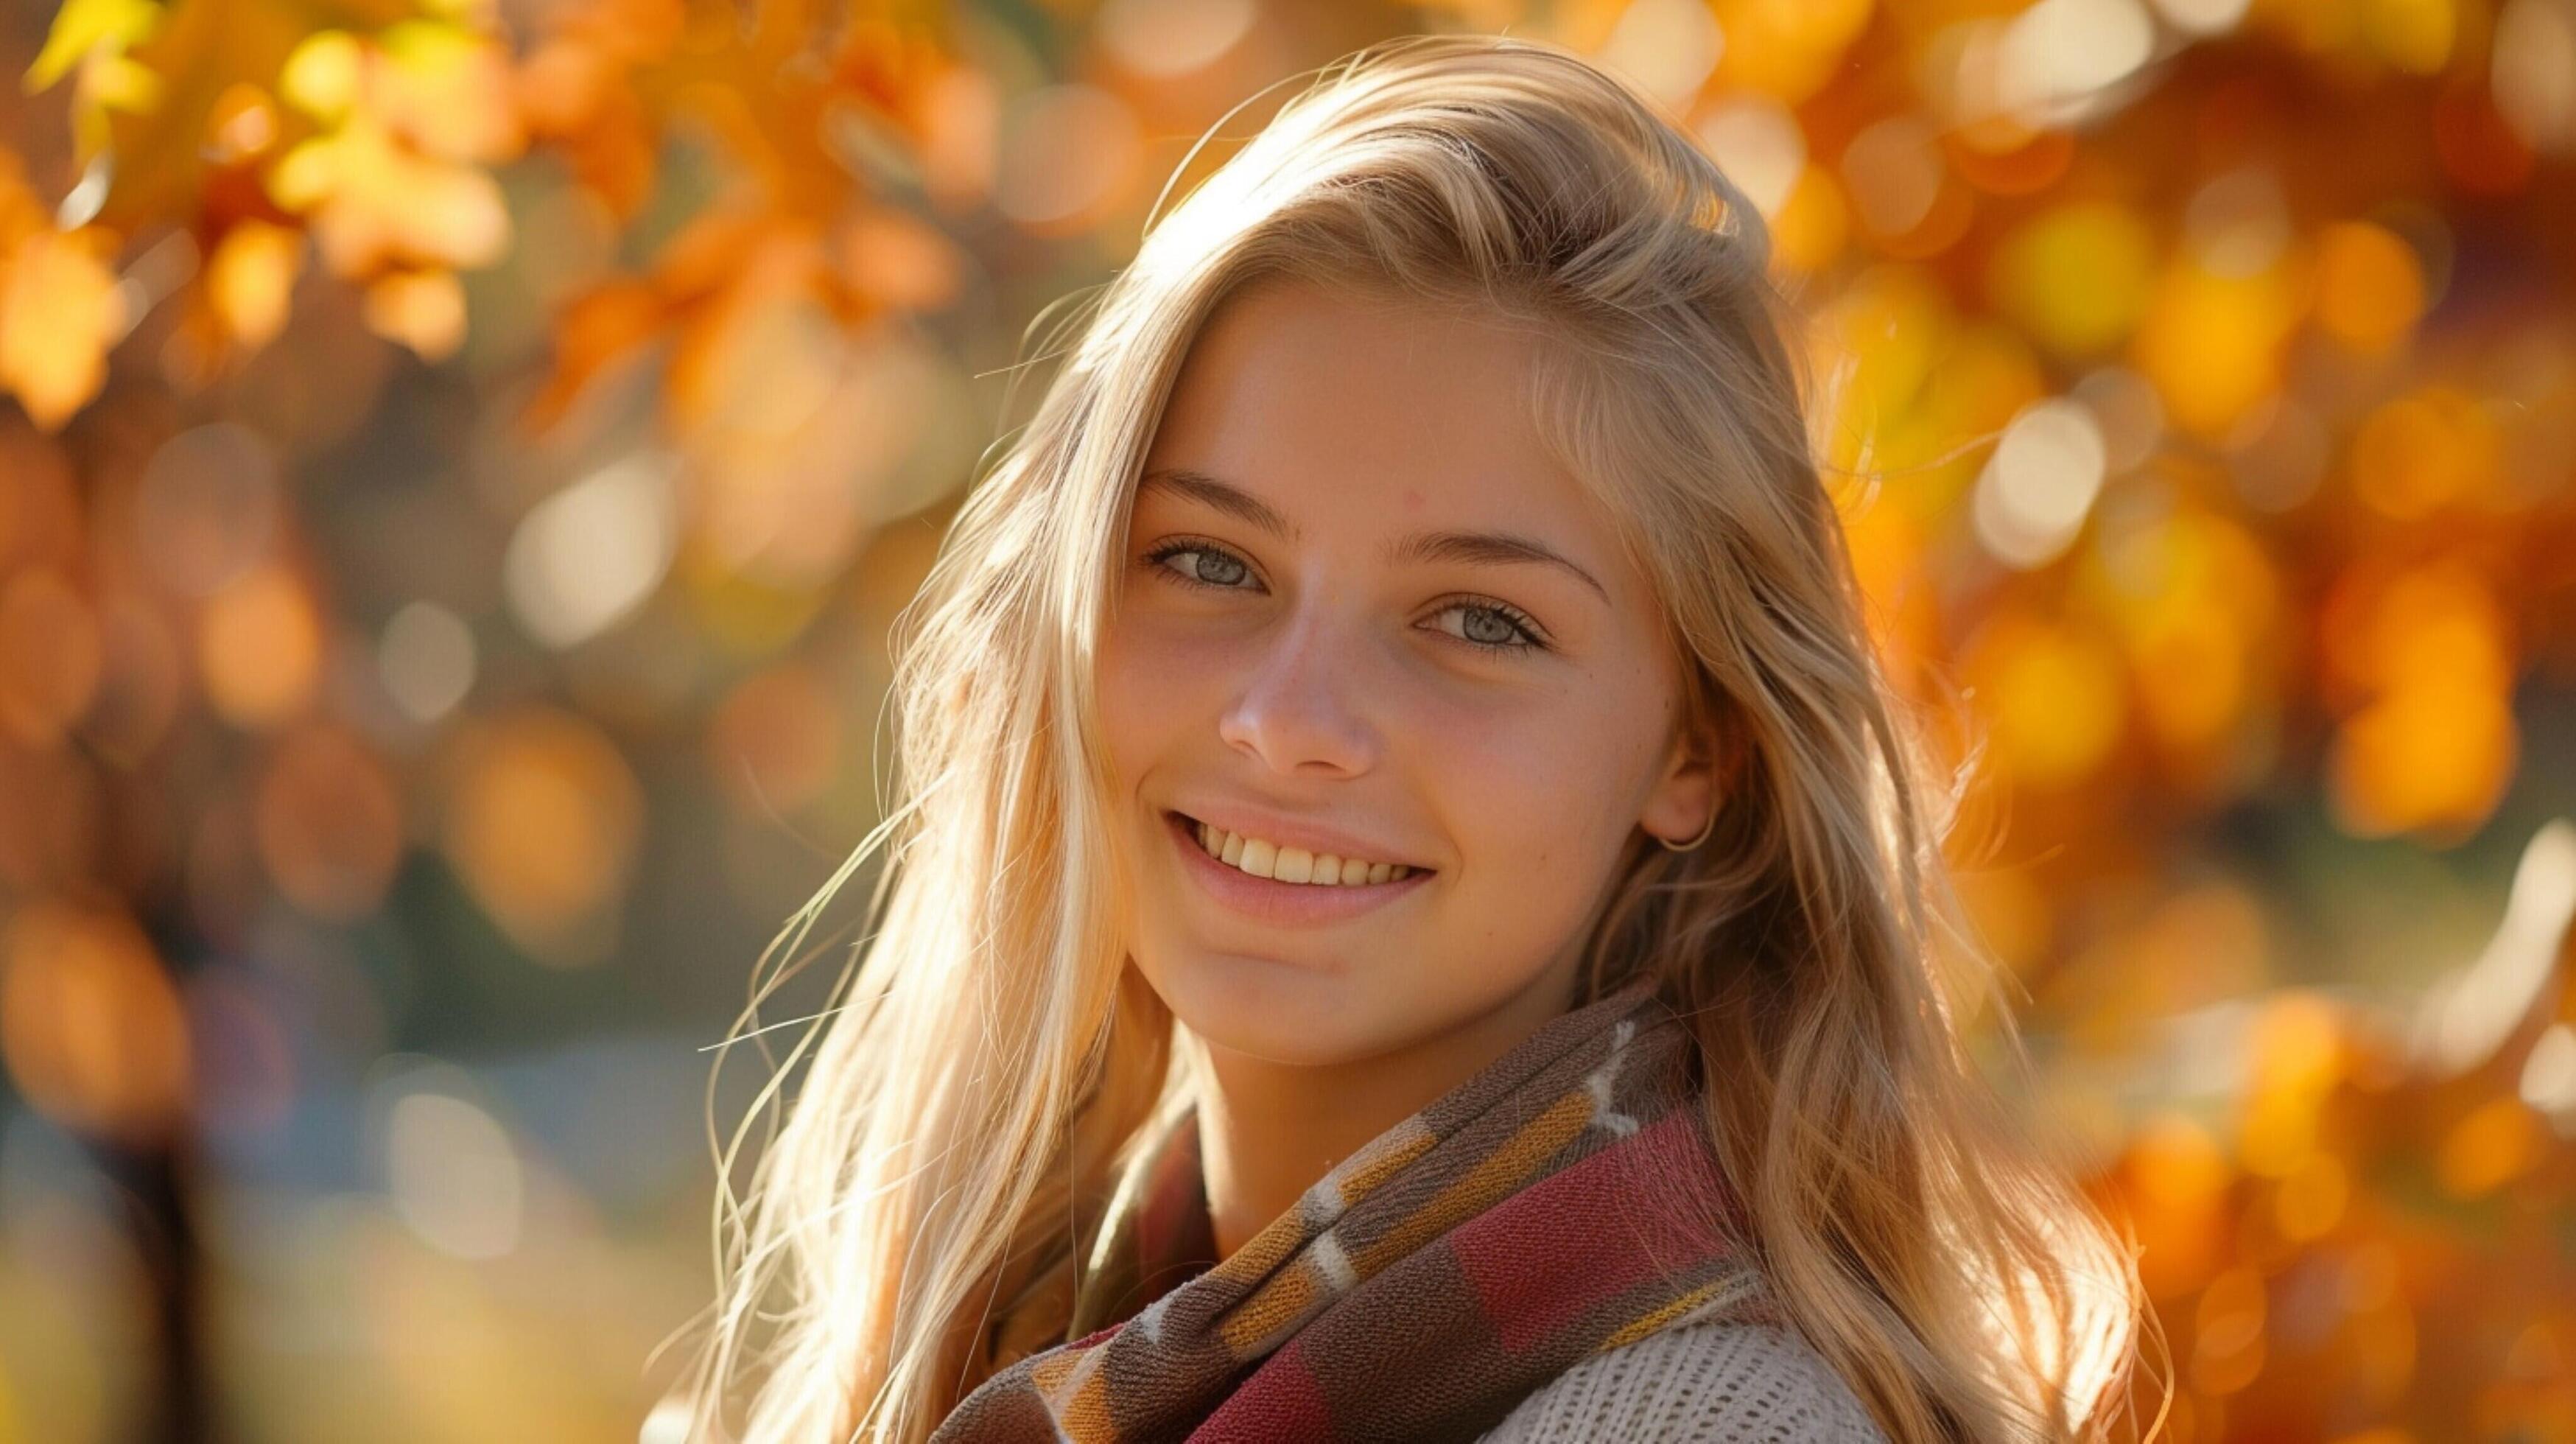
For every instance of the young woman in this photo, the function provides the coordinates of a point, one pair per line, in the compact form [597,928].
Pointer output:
[1411,911]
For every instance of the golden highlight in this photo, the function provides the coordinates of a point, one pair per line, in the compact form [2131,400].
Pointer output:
[975,1090]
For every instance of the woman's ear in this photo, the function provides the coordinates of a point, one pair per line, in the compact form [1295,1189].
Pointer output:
[1698,770]
[1705,767]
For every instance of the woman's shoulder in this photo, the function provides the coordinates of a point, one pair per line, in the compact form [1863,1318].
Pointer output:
[1721,1381]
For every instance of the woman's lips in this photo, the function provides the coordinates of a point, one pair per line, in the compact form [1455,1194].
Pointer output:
[1287,904]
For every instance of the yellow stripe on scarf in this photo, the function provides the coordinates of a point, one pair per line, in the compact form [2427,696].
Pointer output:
[1489,1182]
[1732,1286]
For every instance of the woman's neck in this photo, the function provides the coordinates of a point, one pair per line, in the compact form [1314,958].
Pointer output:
[1268,1130]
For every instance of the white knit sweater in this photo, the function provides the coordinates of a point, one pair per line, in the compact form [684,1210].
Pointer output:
[1714,1382]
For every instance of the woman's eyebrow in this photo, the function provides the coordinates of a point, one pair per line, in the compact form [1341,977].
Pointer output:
[1487,547]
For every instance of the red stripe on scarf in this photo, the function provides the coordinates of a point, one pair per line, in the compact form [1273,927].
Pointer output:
[1281,1400]
[1586,1222]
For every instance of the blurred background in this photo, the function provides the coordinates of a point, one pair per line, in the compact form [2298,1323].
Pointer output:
[459,460]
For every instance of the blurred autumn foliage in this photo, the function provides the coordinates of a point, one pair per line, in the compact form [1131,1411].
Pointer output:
[465,457]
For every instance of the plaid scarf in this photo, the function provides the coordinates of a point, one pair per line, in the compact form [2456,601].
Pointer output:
[1560,1203]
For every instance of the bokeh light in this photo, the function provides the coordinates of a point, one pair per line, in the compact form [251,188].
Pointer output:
[89,1024]
[542,822]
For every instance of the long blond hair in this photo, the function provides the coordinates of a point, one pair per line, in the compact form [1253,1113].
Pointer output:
[989,1062]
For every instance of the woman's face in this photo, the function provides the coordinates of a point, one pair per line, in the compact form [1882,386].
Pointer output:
[1363,612]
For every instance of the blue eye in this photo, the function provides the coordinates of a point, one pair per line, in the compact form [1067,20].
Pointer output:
[1500,624]
[1509,620]
[1226,561]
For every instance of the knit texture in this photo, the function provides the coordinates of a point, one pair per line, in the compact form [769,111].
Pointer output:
[1563,1202]
[1719,1382]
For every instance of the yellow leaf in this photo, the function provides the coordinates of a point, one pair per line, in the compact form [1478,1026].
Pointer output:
[321,78]
[305,174]
[119,82]
[86,27]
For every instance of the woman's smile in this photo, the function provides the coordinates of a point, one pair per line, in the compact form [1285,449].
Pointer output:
[1271,899]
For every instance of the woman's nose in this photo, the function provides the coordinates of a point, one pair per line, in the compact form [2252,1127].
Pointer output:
[1301,704]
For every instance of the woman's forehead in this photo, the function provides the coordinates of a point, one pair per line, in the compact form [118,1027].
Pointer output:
[1310,399]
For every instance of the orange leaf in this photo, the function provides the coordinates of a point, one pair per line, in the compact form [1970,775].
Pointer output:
[593,331]
[250,278]
[59,313]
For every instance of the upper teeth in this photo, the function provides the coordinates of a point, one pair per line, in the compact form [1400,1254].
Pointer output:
[1263,858]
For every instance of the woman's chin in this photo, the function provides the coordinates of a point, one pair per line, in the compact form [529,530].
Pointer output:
[1281,1011]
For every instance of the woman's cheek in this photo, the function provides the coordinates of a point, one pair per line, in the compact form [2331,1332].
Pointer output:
[1139,706]
[1159,645]
[1506,788]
